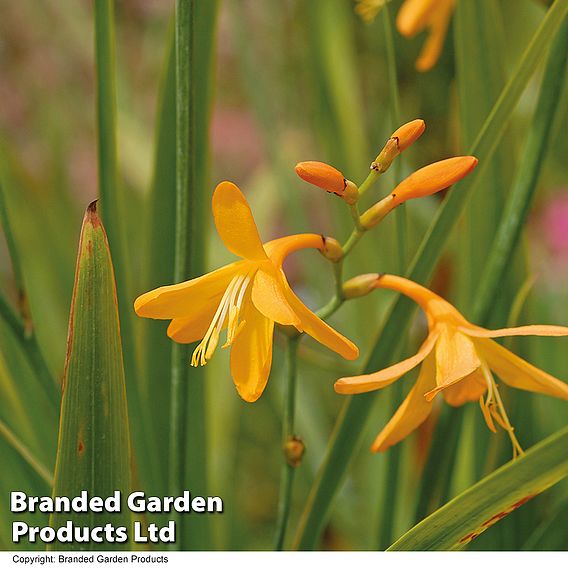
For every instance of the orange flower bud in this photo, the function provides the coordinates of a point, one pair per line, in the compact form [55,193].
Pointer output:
[322,175]
[433,178]
[332,250]
[359,285]
[375,214]
[408,133]
[400,140]
[351,194]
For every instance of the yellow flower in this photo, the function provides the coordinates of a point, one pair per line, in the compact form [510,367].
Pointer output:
[457,359]
[413,17]
[246,297]
[416,15]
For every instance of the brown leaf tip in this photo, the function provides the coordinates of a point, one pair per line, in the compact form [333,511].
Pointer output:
[91,214]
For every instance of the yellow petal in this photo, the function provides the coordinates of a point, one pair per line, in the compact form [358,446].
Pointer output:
[517,372]
[385,377]
[279,249]
[455,359]
[545,330]
[435,41]
[411,413]
[414,16]
[469,389]
[251,353]
[235,223]
[191,328]
[269,297]
[187,298]
[318,329]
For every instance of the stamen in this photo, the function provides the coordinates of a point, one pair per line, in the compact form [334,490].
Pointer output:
[487,415]
[494,407]
[228,308]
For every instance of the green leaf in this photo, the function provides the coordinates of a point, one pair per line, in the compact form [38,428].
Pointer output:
[487,502]
[94,443]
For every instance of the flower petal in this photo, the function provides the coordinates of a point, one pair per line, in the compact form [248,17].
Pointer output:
[546,330]
[235,223]
[412,412]
[251,353]
[269,298]
[279,249]
[191,328]
[385,377]
[414,15]
[318,329]
[181,300]
[469,389]
[518,373]
[435,41]
[455,359]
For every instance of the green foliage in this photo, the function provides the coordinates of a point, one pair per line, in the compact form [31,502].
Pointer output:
[93,453]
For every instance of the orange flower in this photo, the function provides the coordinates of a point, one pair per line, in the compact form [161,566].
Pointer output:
[457,360]
[246,298]
[413,17]
[416,15]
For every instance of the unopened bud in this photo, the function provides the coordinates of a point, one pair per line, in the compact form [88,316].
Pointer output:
[399,141]
[332,250]
[294,450]
[383,161]
[408,133]
[359,285]
[433,178]
[351,194]
[375,214]
[322,175]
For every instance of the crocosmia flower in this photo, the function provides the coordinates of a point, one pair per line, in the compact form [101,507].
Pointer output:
[413,17]
[245,298]
[458,360]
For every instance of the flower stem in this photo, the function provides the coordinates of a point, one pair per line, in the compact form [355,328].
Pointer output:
[288,469]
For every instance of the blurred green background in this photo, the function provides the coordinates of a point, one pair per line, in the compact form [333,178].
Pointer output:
[294,80]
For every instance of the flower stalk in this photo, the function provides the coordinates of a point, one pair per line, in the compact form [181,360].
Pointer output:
[292,446]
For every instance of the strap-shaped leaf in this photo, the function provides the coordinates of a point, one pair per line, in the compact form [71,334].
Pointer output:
[94,444]
[469,514]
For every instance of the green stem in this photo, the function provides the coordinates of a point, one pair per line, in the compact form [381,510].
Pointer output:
[288,470]
[370,180]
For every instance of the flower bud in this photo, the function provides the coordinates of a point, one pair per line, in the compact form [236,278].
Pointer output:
[351,194]
[383,161]
[332,249]
[433,178]
[294,450]
[375,214]
[399,141]
[359,285]
[322,175]
[408,133]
